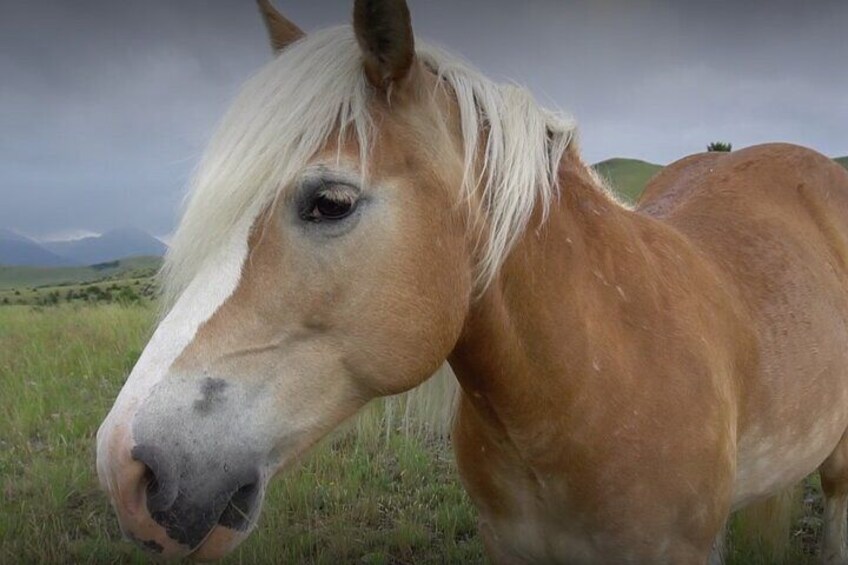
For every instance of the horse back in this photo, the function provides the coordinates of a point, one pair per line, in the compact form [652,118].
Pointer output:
[774,219]
[775,186]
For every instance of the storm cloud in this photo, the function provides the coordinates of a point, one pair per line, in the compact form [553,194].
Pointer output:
[105,106]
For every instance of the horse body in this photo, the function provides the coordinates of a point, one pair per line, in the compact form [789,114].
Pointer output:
[368,210]
[778,226]
[634,376]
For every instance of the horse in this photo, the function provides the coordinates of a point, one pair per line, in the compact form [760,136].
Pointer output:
[371,206]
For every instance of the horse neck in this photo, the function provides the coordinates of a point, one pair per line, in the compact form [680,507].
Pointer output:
[534,338]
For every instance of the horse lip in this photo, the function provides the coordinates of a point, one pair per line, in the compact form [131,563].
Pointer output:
[150,546]
[244,520]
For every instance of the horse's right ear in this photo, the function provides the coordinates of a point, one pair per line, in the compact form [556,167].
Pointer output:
[281,31]
[384,31]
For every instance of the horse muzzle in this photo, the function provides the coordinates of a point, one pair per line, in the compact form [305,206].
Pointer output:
[185,475]
[174,504]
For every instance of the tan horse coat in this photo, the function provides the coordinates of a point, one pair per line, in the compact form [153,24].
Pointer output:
[634,375]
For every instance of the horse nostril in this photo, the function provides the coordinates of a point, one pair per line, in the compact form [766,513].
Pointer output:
[148,478]
[236,515]
[161,491]
[152,489]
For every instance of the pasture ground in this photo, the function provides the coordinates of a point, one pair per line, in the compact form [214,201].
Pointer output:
[369,494]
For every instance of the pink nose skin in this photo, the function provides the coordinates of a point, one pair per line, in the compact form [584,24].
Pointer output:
[126,481]
[133,486]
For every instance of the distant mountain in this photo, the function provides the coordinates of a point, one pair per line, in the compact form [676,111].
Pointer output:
[627,177]
[112,245]
[842,161]
[16,249]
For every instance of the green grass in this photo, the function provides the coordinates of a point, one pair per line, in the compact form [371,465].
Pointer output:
[627,177]
[22,277]
[842,161]
[59,370]
[369,494]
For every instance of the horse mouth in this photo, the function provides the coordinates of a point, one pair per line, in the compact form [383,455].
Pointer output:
[198,534]
[238,514]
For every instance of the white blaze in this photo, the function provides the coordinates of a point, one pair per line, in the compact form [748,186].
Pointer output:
[214,283]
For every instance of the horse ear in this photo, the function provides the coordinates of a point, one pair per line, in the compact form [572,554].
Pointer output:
[281,30]
[384,32]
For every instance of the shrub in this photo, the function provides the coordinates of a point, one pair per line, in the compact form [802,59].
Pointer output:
[720,146]
[127,296]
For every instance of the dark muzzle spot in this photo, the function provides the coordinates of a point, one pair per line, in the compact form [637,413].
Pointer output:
[211,395]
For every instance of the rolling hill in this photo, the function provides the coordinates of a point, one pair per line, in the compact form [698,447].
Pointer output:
[842,161]
[627,177]
[20,277]
[112,245]
[16,249]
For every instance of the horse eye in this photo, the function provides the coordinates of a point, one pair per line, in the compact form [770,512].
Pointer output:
[330,204]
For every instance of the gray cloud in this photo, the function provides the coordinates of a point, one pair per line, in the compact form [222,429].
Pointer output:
[106,106]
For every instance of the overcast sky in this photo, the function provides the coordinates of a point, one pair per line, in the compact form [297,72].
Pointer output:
[105,106]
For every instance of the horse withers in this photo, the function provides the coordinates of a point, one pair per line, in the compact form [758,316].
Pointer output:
[370,208]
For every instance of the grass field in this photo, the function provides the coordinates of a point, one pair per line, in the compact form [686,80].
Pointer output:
[369,494]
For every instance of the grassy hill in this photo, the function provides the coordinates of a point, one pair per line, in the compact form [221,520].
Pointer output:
[31,277]
[627,177]
[842,161]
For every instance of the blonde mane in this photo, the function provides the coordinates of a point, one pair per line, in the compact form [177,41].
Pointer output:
[287,112]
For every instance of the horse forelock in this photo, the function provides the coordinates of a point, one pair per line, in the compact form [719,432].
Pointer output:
[316,89]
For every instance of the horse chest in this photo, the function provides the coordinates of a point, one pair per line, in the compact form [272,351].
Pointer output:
[534,529]
[528,540]
[541,525]
[530,512]
[523,517]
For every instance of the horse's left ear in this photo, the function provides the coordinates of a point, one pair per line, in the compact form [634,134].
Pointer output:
[384,32]
[281,31]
